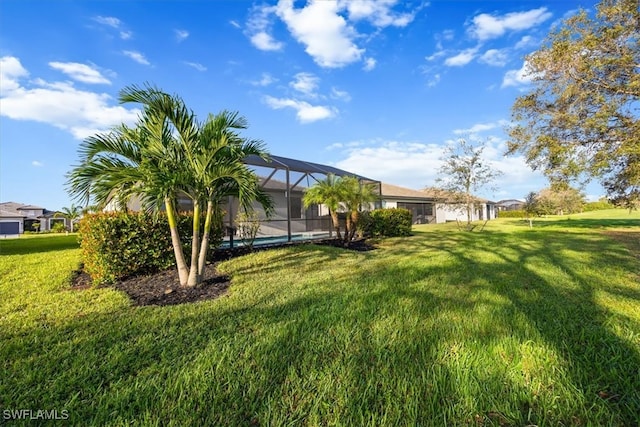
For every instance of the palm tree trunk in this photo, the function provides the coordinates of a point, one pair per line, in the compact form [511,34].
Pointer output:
[183,272]
[194,277]
[336,223]
[348,227]
[204,245]
[354,224]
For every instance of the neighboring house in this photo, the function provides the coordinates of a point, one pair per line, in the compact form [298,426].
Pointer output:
[451,207]
[422,205]
[16,218]
[510,205]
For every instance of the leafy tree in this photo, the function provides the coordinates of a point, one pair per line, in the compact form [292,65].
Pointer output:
[559,199]
[530,206]
[581,118]
[464,172]
[167,154]
[71,213]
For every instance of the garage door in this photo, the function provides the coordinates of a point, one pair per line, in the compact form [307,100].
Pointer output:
[9,227]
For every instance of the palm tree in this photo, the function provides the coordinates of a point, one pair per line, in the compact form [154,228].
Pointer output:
[71,213]
[168,153]
[216,161]
[355,196]
[328,192]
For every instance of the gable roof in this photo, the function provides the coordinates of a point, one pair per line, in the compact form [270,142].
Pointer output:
[30,207]
[15,210]
[390,190]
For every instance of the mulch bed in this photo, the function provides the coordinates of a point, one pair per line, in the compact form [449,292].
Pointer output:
[163,288]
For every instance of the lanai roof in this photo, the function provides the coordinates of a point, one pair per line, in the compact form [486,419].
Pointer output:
[278,162]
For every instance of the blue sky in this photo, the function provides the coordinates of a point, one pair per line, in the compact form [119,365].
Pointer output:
[374,87]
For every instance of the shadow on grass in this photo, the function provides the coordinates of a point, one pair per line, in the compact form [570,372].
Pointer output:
[603,366]
[373,347]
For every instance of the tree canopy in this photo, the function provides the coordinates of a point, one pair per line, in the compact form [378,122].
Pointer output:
[581,118]
[464,171]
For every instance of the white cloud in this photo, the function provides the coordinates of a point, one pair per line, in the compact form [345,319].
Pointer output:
[326,34]
[305,112]
[11,70]
[265,80]
[481,127]
[325,28]
[181,35]
[437,54]
[525,42]
[369,64]
[486,26]
[136,56]
[461,59]
[80,72]
[378,12]
[340,94]
[408,164]
[37,163]
[520,77]
[264,41]
[234,24]
[416,164]
[495,57]
[109,21]
[305,83]
[196,65]
[113,22]
[60,104]
[259,28]
[434,80]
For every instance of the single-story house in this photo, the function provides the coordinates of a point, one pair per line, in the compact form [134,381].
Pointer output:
[16,218]
[510,205]
[434,206]
[423,206]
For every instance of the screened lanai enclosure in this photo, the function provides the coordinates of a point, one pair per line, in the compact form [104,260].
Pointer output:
[286,181]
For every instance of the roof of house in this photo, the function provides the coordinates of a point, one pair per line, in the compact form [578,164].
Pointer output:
[7,214]
[14,210]
[509,202]
[450,196]
[390,190]
[30,207]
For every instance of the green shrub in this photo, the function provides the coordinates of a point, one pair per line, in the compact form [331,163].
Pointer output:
[58,227]
[512,214]
[597,206]
[116,244]
[392,222]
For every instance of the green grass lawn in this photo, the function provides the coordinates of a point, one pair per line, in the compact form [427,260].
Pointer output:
[510,326]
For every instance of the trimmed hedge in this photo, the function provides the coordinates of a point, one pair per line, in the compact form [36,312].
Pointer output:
[117,244]
[394,222]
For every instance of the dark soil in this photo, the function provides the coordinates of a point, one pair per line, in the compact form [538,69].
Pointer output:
[164,288]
